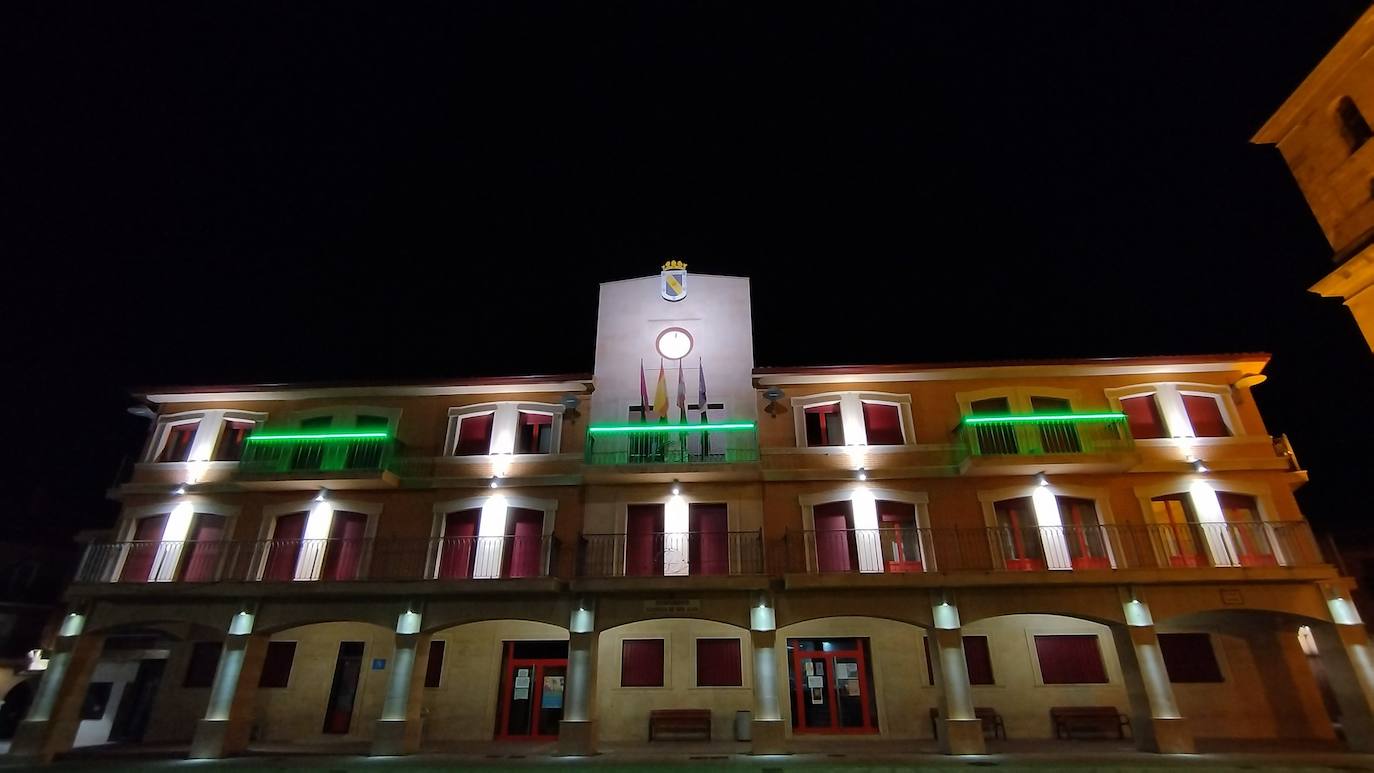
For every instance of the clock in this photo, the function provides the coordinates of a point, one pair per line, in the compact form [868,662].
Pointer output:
[674,343]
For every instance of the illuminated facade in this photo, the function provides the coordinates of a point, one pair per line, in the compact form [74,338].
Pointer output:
[863,551]
[1323,132]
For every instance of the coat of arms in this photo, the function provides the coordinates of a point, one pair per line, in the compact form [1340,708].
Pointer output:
[673,284]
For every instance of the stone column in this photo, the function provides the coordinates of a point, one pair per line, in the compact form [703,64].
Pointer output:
[51,725]
[577,731]
[767,731]
[961,732]
[228,721]
[1156,722]
[1344,647]
[398,731]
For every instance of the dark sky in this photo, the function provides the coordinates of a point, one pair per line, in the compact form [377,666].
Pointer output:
[227,192]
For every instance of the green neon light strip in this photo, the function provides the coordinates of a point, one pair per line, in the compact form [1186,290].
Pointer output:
[1044,417]
[320,436]
[631,428]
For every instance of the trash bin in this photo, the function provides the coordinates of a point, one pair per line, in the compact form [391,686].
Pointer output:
[743,723]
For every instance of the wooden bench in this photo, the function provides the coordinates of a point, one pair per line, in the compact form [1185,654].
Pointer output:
[992,722]
[680,723]
[1094,721]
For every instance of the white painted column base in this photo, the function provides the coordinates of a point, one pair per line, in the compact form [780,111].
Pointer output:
[576,738]
[962,736]
[392,737]
[768,736]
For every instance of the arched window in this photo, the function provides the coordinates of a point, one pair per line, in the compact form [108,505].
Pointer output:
[1354,127]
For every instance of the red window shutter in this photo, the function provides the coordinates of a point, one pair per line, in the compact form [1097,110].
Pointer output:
[824,427]
[177,446]
[1189,657]
[883,424]
[1204,413]
[718,663]
[285,548]
[1143,417]
[344,553]
[143,550]
[836,550]
[1070,659]
[201,554]
[534,433]
[474,435]
[459,546]
[200,669]
[641,663]
[276,667]
[979,659]
[644,540]
[231,439]
[525,532]
[434,669]
[708,546]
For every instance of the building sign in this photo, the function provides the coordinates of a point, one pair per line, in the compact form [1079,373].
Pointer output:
[673,281]
[662,606]
[379,664]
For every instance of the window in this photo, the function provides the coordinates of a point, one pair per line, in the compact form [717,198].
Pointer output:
[718,663]
[824,427]
[434,669]
[1247,538]
[201,553]
[143,549]
[1204,413]
[993,438]
[836,549]
[1018,534]
[232,435]
[276,667]
[200,669]
[176,446]
[1143,417]
[533,433]
[1179,535]
[1083,533]
[644,547]
[1354,128]
[1070,659]
[1189,658]
[641,663]
[883,424]
[899,536]
[976,654]
[474,435]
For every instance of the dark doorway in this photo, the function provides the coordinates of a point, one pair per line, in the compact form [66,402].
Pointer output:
[136,704]
[339,714]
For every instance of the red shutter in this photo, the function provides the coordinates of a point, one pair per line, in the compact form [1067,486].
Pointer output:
[708,539]
[641,663]
[525,532]
[177,445]
[285,548]
[1070,659]
[1143,417]
[1189,657]
[201,553]
[976,655]
[883,424]
[836,550]
[276,667]
[474,435]
[143,550]
[1204,413]
[459,544]
[344,553]
[232,435]
[824,426]
[200,669]
[533,435]
[718,663]
[644,540]
[434,669]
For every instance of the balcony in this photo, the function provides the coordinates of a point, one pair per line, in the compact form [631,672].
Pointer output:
[336,455]
[671,554]
[1053,548]
[671,449]
[1086,442]
[320,561]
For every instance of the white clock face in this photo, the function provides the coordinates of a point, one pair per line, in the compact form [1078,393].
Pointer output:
[674,343]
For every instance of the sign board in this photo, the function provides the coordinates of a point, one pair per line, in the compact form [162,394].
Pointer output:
[379,664]
[662,606]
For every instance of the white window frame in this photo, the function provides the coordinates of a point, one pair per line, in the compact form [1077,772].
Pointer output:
[170,545]
[1031,631]
[487,526]
[869,563]
[667,662]
[744,651]
[310,559]
[852,416]
[1169,398]
[206,438]
[505,425]
[1217,545]
[1054,547]
[622,516]
[346,416]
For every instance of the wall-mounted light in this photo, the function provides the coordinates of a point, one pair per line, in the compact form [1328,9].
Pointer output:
[142,411]
[1198,466]
[495,481]
[863,474]
[1041,479]
[322,495]
[180,490]
[677,487]
[570,403]
[1245,382]
[773,395]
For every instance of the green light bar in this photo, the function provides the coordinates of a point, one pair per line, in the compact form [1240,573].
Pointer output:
[1044,417]
[631,428]
[262,438]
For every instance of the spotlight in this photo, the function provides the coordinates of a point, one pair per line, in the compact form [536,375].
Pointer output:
[320,497]
[1198,466]
[677,487]
[863,474]
[494,481]
[1041,480]
[179,490]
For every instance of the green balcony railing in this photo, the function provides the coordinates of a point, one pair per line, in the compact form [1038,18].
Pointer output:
[305,452]
[630,444]
[1039,434]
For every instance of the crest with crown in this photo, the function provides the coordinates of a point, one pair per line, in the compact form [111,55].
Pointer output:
[673,281]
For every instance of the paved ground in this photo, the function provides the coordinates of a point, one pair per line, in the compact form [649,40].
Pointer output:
[812,757]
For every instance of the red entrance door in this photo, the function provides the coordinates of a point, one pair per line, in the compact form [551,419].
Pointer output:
[533,677]
[831,690]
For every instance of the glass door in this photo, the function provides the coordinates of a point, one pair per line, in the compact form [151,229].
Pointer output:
[531,701]
[831,688]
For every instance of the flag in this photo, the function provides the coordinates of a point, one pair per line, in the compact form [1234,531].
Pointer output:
[661,395]
[643,395]
[701,390]
[681,396]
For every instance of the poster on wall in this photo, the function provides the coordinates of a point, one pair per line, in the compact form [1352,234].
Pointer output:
[552,697]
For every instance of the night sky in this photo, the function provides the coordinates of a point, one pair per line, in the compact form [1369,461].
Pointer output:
[233,192]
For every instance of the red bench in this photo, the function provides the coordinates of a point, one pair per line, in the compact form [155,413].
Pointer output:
[680,723]
[1095,721]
